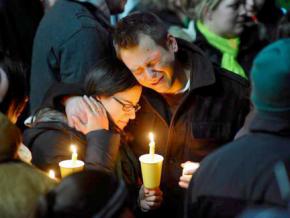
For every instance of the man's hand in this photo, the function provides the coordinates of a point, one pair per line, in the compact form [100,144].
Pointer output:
[150,199]
[188,169]
[96,116]
[73,108]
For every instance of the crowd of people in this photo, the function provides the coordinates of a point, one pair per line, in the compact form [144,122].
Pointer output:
[209,78]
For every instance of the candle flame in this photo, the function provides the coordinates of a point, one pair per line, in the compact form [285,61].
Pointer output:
[73,148]
[51,174]
[151,144]
[151,137]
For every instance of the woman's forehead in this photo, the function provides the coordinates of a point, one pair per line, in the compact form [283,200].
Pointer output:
[130,95]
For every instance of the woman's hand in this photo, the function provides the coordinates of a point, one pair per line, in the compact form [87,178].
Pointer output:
[150,199]
[96,116]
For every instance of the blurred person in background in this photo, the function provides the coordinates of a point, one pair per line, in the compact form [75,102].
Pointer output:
[88,194]
[71,38]
[283,28]
[260,29]
[172,14]
[21,184]
[219,24]
[18,23]
[243,169]
[13,96]
[13,88]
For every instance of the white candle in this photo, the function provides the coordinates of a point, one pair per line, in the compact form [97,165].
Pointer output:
[151,144]
[74,155]
[51,174]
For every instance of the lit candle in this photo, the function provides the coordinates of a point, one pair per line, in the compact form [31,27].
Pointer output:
[51,174]
[74,155]
[151,144]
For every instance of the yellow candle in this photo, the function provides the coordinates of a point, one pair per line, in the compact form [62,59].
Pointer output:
[74,155]
[151,144]
[51,174]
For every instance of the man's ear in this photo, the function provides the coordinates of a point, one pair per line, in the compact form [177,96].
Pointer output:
[172,43]
[207,14]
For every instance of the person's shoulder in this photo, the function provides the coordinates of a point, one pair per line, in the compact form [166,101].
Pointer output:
[34,176]
[22,170]
[188,46]
[232,152]
[231,77]
[74,16]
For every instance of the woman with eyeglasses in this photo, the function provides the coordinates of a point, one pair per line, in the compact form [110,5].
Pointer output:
[111,101]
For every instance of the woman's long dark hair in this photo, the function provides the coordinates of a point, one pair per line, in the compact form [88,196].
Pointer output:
[16,97]
[109,77]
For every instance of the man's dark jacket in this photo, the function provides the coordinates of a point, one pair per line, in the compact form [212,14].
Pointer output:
[241,174]
[70,40]
[210,114]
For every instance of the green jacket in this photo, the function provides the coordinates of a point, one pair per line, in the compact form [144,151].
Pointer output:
[21,185]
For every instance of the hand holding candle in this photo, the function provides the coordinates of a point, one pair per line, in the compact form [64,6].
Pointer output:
[150,198]
[51,174]
[188,169]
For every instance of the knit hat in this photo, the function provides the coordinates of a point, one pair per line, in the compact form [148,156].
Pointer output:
[10,139]
[271,78]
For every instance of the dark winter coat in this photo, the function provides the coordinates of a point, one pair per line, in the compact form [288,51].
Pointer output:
[70,40]
[240,175]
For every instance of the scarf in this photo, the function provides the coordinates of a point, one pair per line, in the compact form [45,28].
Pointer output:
[228,47]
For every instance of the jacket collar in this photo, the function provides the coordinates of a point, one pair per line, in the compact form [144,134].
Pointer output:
[202,72]
[101,5]
[270,123]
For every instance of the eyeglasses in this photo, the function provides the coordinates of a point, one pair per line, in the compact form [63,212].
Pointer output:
[128,107]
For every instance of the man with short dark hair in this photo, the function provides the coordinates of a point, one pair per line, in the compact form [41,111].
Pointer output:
[71,38]
[192,106]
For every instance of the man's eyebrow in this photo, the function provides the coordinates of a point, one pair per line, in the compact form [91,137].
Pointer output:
[152,58]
